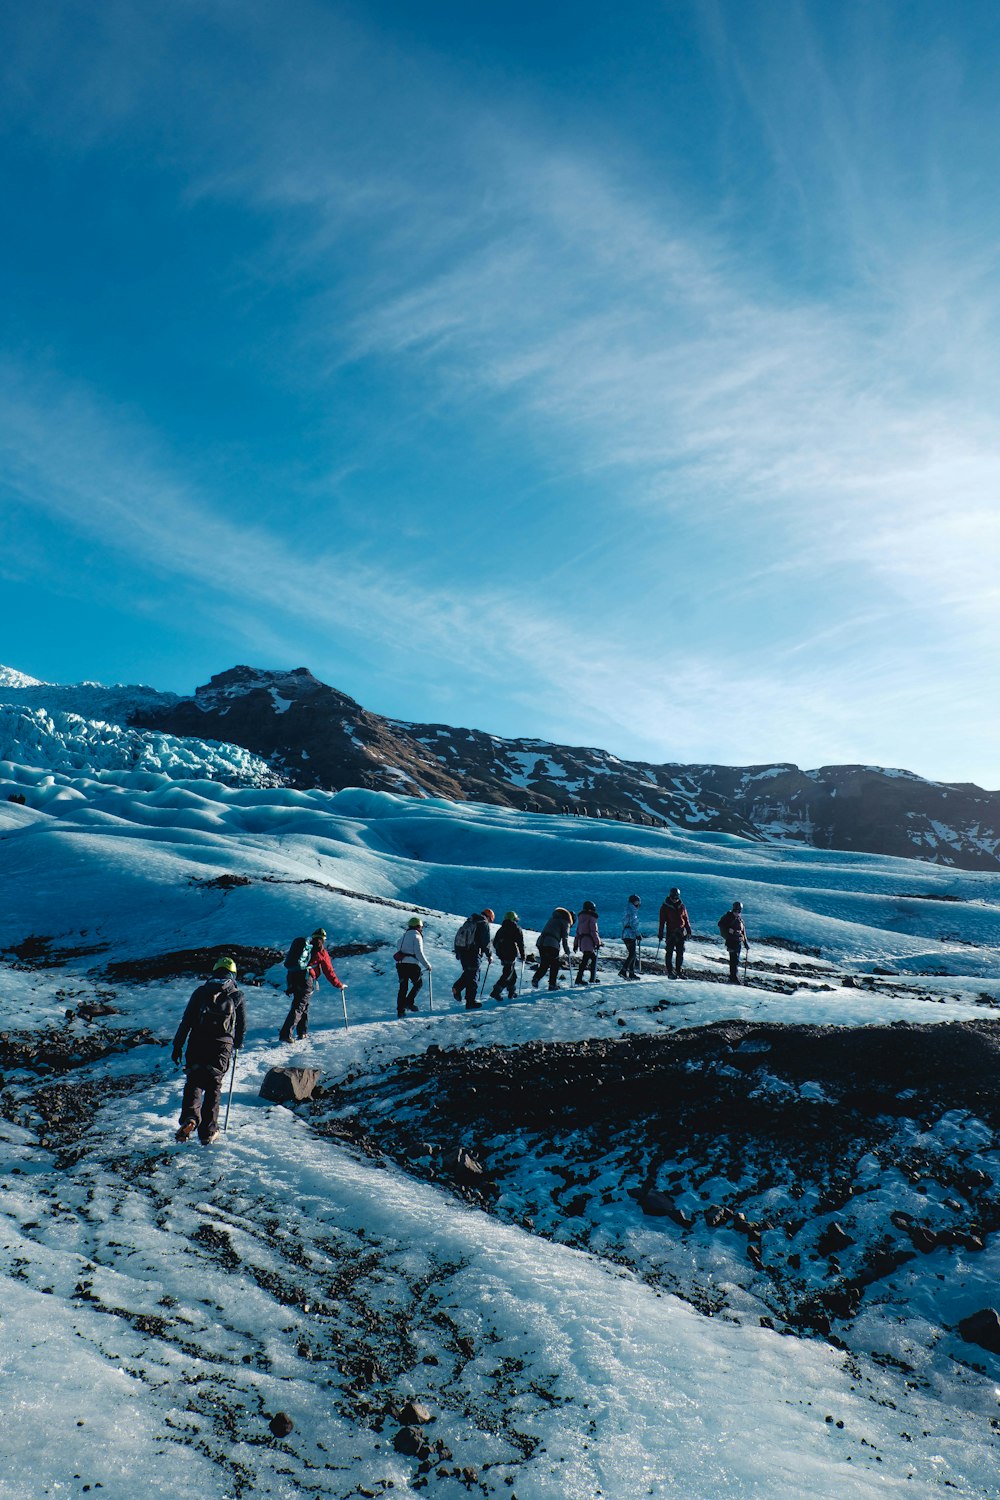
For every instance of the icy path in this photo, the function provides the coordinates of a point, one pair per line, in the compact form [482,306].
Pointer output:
[628,1392]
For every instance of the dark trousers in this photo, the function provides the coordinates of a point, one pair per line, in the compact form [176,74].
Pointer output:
[548,963]
[410,984]
[507,980]
[468,984]
[587,960]
[734,963]
[674,945]
[628,967]
[300,987]
[200,1104]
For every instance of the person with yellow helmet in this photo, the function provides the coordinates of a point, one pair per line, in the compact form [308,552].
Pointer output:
[213,1026]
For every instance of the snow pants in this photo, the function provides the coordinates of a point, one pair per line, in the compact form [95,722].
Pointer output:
[674,946]
[411,982]
[300,987]
[468,983]
[734,963]
[507,980]
[548,963]
[200,1104]
[587,960]
[627,970]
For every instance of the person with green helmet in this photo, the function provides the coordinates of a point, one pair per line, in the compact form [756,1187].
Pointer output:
[305,961]
[410,961]
[213,1026]
[508,945]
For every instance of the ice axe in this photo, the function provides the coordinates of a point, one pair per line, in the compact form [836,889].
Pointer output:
[343,996]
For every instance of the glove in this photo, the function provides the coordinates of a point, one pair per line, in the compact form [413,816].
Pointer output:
[430,968]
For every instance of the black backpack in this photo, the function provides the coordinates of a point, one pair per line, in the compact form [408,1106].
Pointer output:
[298,955]
[216,1016]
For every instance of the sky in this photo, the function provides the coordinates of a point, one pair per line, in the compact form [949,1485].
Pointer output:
[623,376]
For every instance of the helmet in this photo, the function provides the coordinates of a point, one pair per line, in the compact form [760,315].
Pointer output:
[589,906]
[737,906]
[511,916]
[488,914]
[320,933]
[635,900]
[415,922]
[224,963]
[572,915]
[674,891]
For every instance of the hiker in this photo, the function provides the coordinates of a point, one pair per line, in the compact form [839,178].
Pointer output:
[410,961]
[213,1025]
[631,937]
[675,929]
[586,941]
[553,937]
[472,942]
[735,936]
[508,945]
[305,961]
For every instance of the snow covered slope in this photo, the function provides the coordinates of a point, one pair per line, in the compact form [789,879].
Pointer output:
[569,1333]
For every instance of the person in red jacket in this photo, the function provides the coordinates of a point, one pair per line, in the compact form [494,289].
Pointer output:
[304,970]
[675,929]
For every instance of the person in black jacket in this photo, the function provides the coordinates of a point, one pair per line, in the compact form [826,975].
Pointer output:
[472,942]
[508,945]
[213,1025]
[553,938]
[735,937]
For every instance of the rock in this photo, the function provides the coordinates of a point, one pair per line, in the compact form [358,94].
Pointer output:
[982,1328]
[657,1205]
[289,1085]
[281,1424]
[924,1240]
[412,1442]
[833,1238]
[415,1415]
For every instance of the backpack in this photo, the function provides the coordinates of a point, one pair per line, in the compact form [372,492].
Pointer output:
[298,955]
[216,1012]
[729,926]
[465,937]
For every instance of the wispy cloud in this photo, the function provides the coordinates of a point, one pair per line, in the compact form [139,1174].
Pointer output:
[841,434]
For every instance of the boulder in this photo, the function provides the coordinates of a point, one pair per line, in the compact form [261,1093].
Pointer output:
[982,1328]
[833,1238]
[289,1085]
[281,1424]
[412,1442]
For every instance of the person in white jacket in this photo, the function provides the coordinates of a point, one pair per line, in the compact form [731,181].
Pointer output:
[411,964]
[631,937]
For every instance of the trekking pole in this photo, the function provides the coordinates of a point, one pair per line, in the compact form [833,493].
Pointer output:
[486,976]
[656,956]
[638,955]
[746,955]
[430,992]
[520,982]
[229,1101]
[343,996]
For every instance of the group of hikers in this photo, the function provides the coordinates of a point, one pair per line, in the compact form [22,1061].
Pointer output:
[214,1021]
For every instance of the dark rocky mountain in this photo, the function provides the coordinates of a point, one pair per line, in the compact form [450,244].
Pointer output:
[317,736]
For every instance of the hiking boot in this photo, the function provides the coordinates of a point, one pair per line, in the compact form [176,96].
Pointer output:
[473,1005]
[285,1041]
[209,1140]
[495,995]
[186,1131]
[411,1005]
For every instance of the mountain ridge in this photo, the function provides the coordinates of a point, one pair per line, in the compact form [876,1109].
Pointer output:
[313,735]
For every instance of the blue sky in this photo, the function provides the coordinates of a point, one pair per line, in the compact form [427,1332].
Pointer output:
[620,375]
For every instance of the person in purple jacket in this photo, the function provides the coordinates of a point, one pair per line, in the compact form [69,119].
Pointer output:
[586,941]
